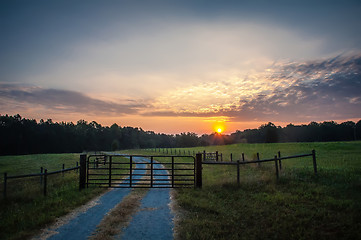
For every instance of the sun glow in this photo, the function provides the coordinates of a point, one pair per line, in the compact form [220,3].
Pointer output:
[218,128]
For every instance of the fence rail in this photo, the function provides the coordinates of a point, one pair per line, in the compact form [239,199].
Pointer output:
[43,177]
[277,160]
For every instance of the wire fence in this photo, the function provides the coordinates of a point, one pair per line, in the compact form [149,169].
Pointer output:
[34,183]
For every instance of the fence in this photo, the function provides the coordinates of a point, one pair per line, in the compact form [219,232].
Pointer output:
[43,177]
[173,151]
[277,160]
[213,158]
[133,171]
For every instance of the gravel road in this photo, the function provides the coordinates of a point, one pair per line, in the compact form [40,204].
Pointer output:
[154,220]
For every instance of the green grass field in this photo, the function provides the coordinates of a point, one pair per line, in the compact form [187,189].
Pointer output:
[299,205]
[25,210]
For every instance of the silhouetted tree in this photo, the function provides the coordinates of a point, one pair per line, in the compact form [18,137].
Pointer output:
[25,136]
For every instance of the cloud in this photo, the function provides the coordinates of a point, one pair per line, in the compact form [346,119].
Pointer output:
[64,101]
[327,89]
[307,91]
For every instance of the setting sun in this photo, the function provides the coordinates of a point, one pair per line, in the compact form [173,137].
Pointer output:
[219,130]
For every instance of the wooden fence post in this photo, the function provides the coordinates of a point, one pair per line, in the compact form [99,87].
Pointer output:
[82,171]
[5,183]
[198,170]
[231,157]
[259,164]
[62,171]
[280,161]
[41,176]
[216,156]
[238,178]
[314,161]
[243,157]
[45,181]
[276,166]
[204,155]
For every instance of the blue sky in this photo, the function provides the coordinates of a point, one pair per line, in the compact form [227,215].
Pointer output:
[175,66]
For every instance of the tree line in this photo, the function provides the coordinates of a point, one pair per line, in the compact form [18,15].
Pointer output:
[27,136]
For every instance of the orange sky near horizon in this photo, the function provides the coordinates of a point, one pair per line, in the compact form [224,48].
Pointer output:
[174,125]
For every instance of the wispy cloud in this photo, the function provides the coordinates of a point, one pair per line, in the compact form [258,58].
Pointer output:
[313,90]
[62,101]
[285,92]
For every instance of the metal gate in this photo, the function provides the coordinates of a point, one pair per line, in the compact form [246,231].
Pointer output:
[135,171]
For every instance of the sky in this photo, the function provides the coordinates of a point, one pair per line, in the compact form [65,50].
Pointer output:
[181,66]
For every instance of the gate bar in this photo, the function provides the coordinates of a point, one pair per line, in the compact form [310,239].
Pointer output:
[172,171]
[130,170]
[110,171]
[199,170]
[151,171]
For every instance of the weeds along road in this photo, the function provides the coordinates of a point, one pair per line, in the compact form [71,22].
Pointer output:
[154,219]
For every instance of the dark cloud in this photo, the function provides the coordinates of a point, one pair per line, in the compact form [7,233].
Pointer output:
[329,89]
[62,100]
[315,91]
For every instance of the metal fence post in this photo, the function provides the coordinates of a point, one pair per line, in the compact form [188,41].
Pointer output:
[216,156]
[172,172]
[259,164]
[82,172]
[110,171]
[130,170]
[242,157]
[199,170]
[151,171]
[314,161]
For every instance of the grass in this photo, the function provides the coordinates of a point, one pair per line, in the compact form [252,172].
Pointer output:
[25,210]
[299,205]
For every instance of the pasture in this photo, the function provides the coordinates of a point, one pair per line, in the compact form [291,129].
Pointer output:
[25,210]
[299,205]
